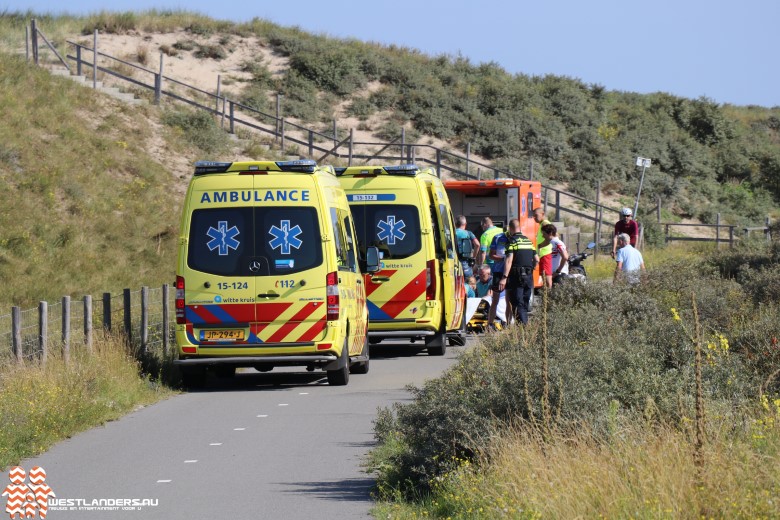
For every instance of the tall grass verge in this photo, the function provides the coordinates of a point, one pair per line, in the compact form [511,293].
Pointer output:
[685,363]
[43,404]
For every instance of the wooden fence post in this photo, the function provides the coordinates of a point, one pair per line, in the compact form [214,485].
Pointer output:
[94,59]
[597,231]
[717,231]
[544,205]
[127,317]
[43,330]
[278,117]
[495,173]
[144,319]
[468,159]
[767,231]
[106,312]
[658,209]
[557,206]
[16,326]
[66,328]
[403,142]
[281,133]
[666,233]
[34,39]
[158,79]
[438,163]
[311,143]
[88,322]
[165,321]
[219,92]
[335,134]
[232,117]
[351,144]
[78,60]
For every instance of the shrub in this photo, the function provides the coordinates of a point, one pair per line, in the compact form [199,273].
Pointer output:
[214,52]
[198,128]
[612,350]
[111,23]
[185,45]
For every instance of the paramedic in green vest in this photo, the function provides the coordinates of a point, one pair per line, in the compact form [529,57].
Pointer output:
[518,274]
[489,231]
[543,249]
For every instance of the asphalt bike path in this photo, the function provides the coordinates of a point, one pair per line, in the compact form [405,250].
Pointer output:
[279,445]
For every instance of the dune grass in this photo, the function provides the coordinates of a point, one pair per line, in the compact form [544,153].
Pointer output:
[643,471]
[86,209]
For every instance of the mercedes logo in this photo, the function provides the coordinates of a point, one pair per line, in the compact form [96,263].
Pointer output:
[254,266]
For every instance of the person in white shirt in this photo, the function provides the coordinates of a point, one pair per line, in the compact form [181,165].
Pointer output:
[629,260]
[560,255]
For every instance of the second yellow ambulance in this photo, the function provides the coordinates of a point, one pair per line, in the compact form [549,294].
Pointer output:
[418,291]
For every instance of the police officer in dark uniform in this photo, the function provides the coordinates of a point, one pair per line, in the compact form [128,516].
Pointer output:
[518,275]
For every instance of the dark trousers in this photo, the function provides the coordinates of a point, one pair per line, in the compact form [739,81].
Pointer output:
[518,292]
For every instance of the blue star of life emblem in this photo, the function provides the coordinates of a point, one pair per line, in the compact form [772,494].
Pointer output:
[285,237]
[223,238]
[390,230]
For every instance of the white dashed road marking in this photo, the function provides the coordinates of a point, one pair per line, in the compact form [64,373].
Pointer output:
[283,404]
[163,481]
[262,416]
[190,461]
[238,429]
[215,444]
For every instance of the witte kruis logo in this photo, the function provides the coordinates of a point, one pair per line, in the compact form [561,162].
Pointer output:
[27,500]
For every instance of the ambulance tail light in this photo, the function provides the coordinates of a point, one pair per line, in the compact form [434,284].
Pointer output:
[332,294]
[430,280]
[180,300]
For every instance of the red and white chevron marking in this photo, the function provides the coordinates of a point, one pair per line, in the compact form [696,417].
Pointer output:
[17,496]
[37,475]
[17,475]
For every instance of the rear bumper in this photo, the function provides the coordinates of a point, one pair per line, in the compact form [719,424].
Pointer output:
[400,333]
[324,361]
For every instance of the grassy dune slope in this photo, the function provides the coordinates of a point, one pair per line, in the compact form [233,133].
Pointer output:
[85,209]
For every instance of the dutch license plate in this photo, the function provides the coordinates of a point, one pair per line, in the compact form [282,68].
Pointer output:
[222,335]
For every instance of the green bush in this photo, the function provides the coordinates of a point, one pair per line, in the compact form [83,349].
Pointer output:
[198,128]
[111,23]
[612,349]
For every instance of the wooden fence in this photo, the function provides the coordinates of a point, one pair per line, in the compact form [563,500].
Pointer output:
[142,316]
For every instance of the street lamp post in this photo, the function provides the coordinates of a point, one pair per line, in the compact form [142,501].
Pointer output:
[645,164]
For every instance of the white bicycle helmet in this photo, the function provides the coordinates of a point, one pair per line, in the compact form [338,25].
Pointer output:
[626,212]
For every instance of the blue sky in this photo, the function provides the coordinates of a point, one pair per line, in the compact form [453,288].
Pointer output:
[724,50]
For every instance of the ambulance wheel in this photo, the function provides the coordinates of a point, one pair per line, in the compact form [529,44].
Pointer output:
[193,377]
[361,367]
[457,340]
[340,376]
[437,344]
[375,341]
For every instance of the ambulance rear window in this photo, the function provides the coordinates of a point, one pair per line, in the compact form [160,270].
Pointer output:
[254,241]
[393,228]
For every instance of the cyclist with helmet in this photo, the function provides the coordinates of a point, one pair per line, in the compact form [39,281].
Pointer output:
[626,225]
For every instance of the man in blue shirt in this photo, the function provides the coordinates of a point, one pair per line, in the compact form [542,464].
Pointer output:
[629,260]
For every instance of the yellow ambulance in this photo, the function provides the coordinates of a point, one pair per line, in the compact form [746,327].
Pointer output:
[268,273]
[418,292]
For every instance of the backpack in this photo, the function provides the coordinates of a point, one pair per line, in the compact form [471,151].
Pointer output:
[465,250]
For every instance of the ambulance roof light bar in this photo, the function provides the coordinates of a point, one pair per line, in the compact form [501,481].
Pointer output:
[301,166]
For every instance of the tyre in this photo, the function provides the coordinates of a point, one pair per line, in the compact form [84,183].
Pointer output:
[193,377]
[362,367]
[340,376]
[437,345]
[456,340]
[375,341]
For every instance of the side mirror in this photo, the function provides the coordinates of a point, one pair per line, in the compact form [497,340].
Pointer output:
[591,245]
[372,259]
